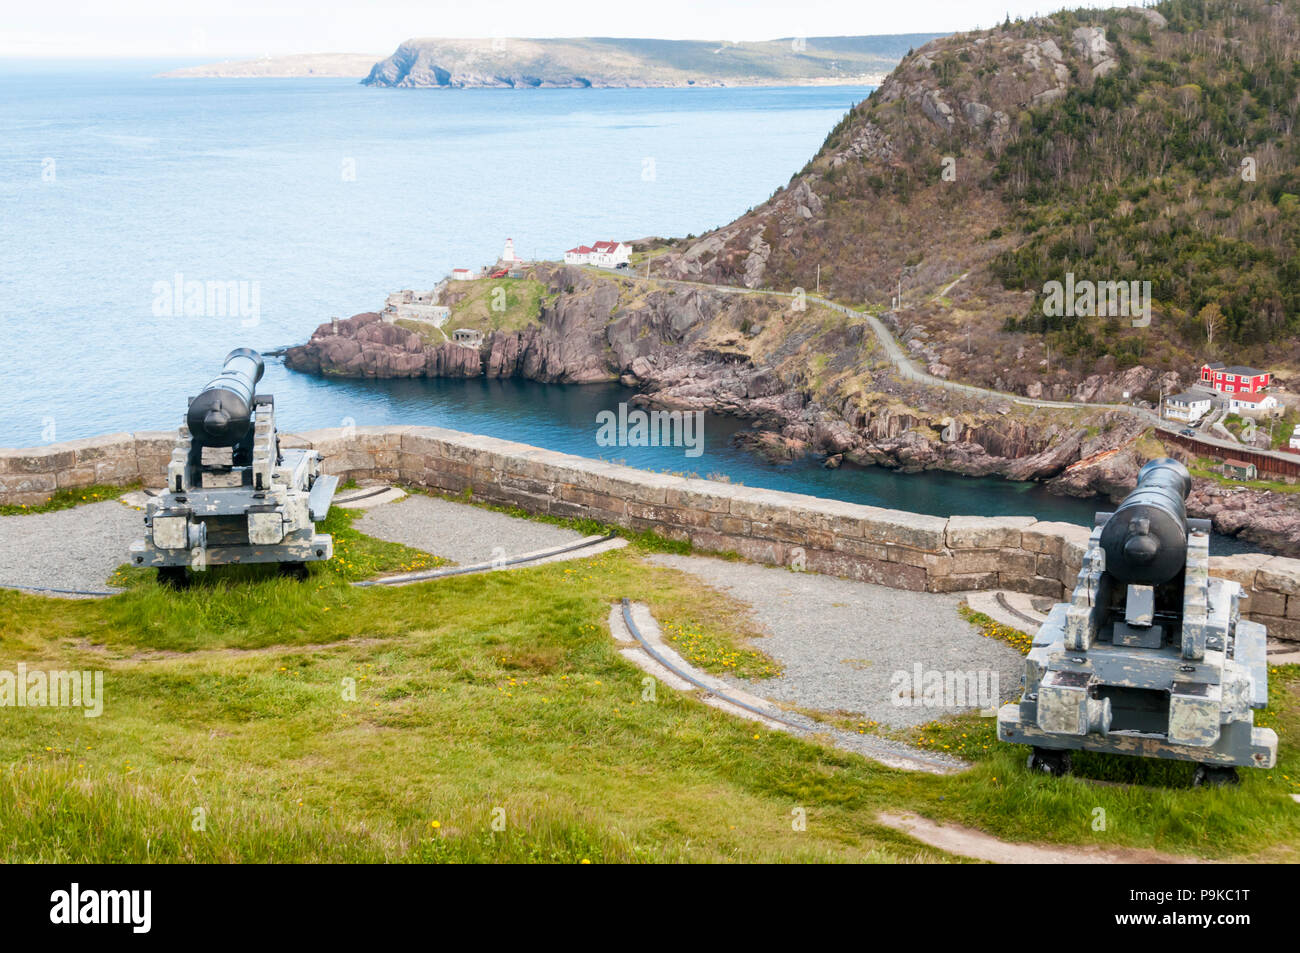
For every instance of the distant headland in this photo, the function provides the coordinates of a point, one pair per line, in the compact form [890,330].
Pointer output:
[593,62]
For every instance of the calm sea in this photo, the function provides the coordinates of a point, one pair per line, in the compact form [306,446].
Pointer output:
[320,197]
[312,198]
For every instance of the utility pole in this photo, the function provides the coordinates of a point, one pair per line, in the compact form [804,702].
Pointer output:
[819,278]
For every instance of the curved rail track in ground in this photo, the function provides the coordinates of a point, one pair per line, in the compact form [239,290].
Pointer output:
[658,659]
[406,579]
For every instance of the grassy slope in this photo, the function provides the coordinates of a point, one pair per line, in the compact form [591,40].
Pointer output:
[494,304]
[493,691]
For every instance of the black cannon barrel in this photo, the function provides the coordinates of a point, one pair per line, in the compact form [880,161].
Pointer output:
[1145,540]
[222,413]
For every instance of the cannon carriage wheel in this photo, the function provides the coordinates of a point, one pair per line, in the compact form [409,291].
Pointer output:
[1214,776]
[1053,761]
[178,577]
[293,570]
[173,577]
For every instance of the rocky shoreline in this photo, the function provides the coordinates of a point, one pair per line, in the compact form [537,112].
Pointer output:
[789,373]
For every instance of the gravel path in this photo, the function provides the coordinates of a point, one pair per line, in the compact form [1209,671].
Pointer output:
[841,641]
[716,692]
[457,531]
[67,549]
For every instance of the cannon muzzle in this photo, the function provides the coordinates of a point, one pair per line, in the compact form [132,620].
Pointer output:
[1145,539]
[223,412]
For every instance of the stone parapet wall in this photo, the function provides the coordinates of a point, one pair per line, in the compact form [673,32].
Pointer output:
[30,476]
[889,547]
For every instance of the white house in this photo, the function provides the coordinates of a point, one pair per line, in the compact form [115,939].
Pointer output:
[1251,403]
[1189,406]
[461,274]
[610,254]
[602,254]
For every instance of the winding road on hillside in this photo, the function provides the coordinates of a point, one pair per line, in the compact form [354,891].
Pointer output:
[907,370]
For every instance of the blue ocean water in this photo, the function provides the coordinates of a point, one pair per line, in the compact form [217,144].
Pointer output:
[320,197]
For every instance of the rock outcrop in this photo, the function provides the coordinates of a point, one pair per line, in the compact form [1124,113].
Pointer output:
[364,346]
[1270,520]
[752,355]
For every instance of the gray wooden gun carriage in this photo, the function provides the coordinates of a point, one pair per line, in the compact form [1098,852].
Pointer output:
[233,495]
[1151,656]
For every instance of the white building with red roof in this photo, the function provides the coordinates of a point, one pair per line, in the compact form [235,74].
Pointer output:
[1251,403]
[602,254]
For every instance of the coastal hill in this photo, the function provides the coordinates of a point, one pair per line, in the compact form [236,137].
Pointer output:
[1151,144]
[620,62]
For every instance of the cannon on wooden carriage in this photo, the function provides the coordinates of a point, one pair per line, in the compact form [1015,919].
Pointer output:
[1150,657]
[233,495]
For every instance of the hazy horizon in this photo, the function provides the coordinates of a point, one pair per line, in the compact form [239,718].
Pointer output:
[244,29]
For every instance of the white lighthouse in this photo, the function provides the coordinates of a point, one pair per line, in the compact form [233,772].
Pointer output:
[509,253]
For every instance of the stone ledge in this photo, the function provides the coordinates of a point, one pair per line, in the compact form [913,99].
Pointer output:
[1279,574]
[987,532]
[889,547]
[1050,537]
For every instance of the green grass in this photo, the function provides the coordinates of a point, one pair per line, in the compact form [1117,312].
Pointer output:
[1284,427]
[1209,470]
[67,499]
[496,304]
[494,695]
[719,655]
[252,606]
[990,628]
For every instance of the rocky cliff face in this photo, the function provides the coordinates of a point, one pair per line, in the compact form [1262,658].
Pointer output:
[362,346]
[592,330]
[1270,520]
[810,381]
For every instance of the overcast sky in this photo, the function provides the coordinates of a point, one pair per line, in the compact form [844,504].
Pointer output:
[206,29]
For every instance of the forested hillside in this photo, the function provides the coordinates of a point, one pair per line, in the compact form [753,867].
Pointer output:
[1141,144]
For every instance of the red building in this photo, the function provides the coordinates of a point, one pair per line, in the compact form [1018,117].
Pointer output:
[1235,379]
